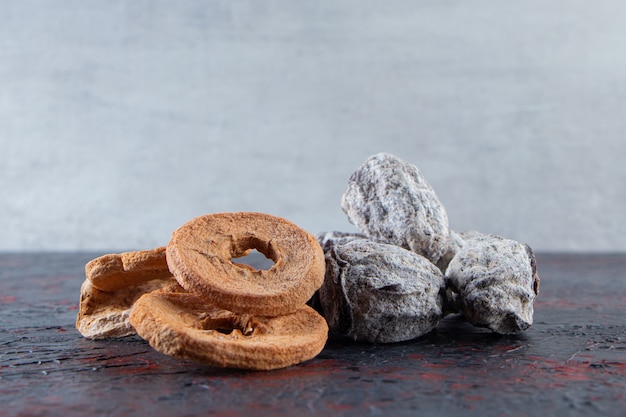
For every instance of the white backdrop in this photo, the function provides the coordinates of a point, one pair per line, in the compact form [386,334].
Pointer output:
[121,120]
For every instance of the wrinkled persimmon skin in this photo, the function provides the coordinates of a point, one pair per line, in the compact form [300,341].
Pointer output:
[493,281]
[379,293]
[390,201]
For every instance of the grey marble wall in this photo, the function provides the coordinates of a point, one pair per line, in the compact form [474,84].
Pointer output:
[121,120]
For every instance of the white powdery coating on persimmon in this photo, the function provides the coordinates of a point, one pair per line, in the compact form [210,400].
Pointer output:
[390,201]
[380,293]
[495,281]
[330,239]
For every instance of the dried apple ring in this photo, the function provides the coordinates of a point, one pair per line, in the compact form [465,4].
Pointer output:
[104,314]
[113,283]
[115,271]
[184,326]
[200,255]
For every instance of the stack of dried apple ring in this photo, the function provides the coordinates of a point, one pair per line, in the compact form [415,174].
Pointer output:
[192,300]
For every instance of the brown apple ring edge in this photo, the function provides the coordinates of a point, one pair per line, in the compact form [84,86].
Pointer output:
[200,253]
[183,326]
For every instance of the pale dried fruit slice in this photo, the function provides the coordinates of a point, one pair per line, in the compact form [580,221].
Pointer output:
[114,271]
[104,314]
[184,326]
[200,255]
[113,283]
[494,282]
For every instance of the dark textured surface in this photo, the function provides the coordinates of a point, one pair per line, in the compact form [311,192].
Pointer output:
[571,362]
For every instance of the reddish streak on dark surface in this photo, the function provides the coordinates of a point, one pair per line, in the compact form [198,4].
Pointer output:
[571,362]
